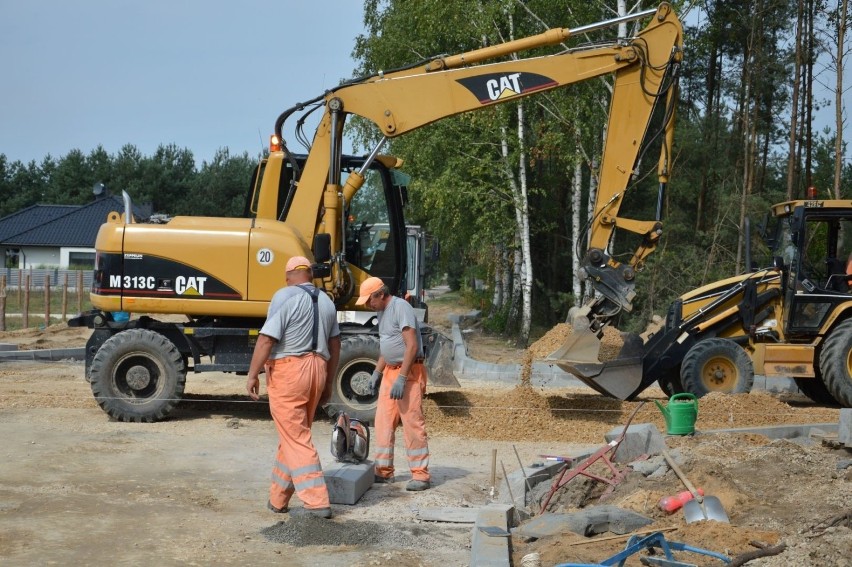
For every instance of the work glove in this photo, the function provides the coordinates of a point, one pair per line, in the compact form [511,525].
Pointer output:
[398,388]
[375,380]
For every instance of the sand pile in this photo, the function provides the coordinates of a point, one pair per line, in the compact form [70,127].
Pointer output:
[524,413]
[555,338]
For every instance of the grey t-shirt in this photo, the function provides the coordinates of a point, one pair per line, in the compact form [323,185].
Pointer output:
[396,316]
[290,321]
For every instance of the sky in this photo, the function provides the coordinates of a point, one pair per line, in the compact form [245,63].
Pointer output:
[198,74]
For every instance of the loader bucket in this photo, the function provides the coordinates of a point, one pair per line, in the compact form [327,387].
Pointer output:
[618,378]
[439,361]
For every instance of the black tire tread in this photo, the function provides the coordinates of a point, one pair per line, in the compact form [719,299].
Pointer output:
[833,363]
[353,347]
[101,381]
[691,376]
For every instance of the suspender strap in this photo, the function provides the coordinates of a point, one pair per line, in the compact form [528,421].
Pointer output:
[314,293]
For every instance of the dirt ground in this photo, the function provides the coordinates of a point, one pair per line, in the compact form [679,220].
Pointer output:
[77,488]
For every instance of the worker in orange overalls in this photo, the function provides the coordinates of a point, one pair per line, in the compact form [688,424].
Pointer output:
[299,347]
[402,378]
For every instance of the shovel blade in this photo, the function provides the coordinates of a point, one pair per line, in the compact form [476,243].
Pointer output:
[705,508]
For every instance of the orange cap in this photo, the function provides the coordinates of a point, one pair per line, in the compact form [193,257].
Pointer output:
[298,263]
[368,288]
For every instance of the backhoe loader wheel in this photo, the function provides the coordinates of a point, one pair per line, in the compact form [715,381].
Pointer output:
[716,365]
[138,375]
[669,382]
[814,388]
[351,389]
[835,363]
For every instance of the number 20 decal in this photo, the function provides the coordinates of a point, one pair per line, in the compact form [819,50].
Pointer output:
[265,256]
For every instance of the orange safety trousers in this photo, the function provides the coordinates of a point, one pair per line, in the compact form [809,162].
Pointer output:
[408,411]
[295,384]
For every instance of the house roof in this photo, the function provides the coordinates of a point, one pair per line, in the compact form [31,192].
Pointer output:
[60,225]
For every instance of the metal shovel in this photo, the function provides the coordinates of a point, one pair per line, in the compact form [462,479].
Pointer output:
[700,507]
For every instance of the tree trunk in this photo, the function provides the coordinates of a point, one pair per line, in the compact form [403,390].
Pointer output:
[838,96]
[576,229]
[809,95]
[794,105]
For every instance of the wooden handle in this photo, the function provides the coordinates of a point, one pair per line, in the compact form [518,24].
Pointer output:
[682,477]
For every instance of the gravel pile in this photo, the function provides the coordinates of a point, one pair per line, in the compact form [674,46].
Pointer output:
[315,531]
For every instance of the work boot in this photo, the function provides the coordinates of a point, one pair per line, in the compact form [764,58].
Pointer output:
[417,485]
[324,513]
[383,479]
[283,510]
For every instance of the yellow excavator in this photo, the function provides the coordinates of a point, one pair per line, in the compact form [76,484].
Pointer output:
[220,273]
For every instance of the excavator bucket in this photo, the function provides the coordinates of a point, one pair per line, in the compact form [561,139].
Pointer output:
[618,378]
[439,360]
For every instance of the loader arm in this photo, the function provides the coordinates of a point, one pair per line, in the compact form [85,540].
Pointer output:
[644,69]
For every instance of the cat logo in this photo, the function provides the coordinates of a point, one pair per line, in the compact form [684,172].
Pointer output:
[491,87]
[192,285]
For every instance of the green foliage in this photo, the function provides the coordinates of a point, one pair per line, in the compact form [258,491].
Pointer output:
[168,180]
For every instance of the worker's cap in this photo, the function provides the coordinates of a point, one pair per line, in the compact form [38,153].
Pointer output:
[298,263]
[368,288]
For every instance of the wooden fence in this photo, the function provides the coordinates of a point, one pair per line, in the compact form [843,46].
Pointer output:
[23,292]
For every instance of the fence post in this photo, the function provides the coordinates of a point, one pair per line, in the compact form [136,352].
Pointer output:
[25,306]
[65,297]
[79,291]
[46,300]
[2,303]
[20,283]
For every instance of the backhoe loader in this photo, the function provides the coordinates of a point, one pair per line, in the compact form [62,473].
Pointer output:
[789,319]
[220,273]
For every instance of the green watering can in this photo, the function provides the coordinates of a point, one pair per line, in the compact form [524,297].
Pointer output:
[680,414]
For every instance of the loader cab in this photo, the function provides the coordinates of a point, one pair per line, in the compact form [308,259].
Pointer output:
[815,242]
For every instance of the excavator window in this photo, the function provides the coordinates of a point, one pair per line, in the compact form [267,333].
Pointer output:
[371,244]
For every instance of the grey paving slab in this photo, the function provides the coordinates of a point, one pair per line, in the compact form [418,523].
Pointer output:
[491,550]
[347,482]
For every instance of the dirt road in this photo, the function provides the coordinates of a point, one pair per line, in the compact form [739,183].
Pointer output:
[77,488]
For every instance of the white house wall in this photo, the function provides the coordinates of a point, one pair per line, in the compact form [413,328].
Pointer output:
[35,257]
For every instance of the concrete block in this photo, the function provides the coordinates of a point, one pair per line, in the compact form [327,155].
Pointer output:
[516,486]
[844,431]
[7,347]
[347,482]
[456,515]
[640,439]
[587,522]
[487,550]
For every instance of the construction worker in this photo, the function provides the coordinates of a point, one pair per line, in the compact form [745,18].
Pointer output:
[401,378]
[299,347]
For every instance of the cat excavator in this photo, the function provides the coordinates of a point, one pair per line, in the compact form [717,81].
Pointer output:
[219,274]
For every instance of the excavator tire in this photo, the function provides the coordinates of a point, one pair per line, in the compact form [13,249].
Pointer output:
[716,365]
[351,390]
[835,363]
[138,376]
[814,388]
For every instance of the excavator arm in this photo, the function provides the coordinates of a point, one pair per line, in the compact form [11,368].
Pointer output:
[644,70]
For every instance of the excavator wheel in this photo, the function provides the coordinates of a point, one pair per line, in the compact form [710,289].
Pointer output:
[351,390]
[138,375]
[835,363]
[716,365]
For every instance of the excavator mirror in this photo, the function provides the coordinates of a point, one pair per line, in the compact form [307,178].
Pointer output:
[322,248]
